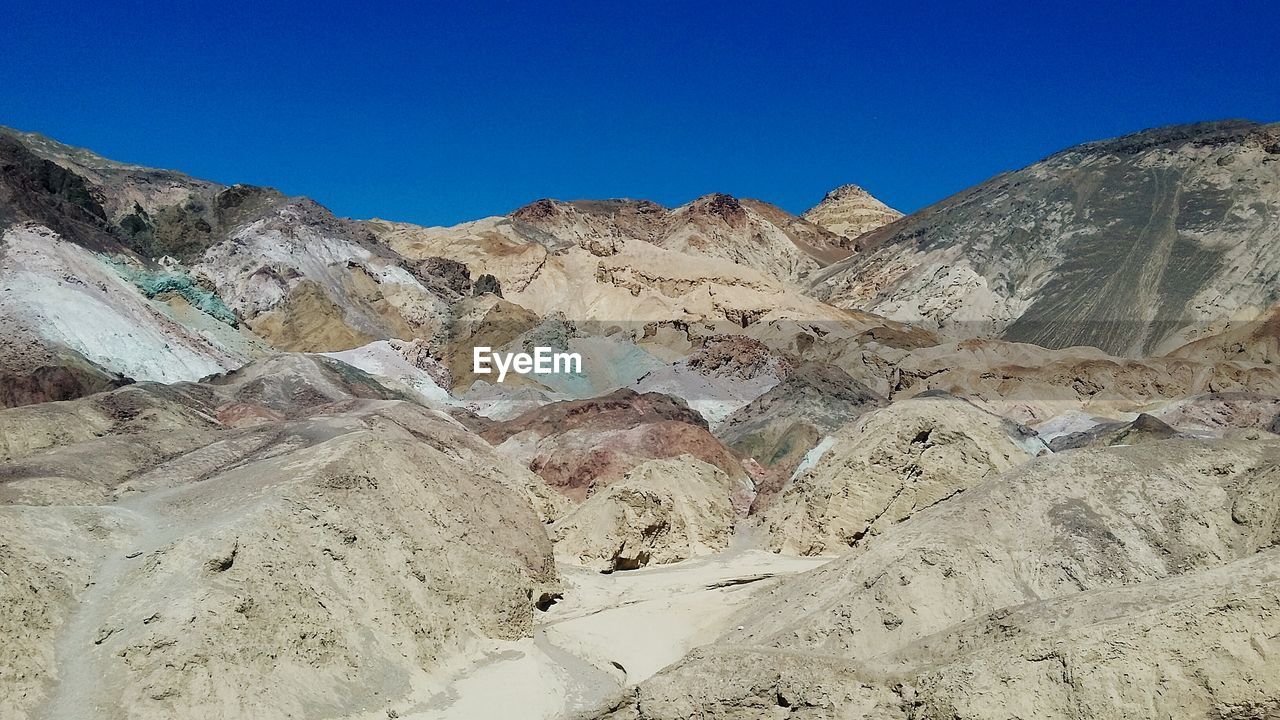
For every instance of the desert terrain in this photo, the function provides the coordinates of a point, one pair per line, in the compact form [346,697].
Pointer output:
[1016,454]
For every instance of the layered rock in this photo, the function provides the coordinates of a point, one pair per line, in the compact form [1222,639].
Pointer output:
[780,426]
[1033,384]
[1217,414]
[1254,340]
[582,446]
[64,306]
[307,281]
[153,275]
[604,276]
[851,212]
[717,379]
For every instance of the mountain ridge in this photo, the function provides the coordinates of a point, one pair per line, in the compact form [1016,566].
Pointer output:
[1139,239]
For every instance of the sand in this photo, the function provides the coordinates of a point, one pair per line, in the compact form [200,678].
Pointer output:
[608,633]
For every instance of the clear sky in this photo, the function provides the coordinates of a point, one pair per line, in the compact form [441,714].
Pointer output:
[441,112]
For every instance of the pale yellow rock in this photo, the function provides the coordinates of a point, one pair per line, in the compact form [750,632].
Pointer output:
[341,546]
[1101,584]
[888,465]
[663,511]
[850,211]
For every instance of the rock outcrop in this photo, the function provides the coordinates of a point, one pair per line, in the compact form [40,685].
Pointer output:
[889,465]
[781,425]
[662,511]
[1032,384]
[1142,429]
[582,446]
[719,378]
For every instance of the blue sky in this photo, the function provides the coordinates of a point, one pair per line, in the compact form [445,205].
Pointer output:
[441,112]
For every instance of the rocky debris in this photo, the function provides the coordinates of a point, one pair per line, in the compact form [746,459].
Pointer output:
[1096,583]
[446,277]
[889,465]
[1144,428]
[487,284]
[662,511]
[851,212]
[1127,245]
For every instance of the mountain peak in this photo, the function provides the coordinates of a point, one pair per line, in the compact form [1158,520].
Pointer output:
[721,205]
[851,211]
[846,191]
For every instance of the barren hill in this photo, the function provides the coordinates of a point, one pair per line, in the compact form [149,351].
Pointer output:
[1130,245]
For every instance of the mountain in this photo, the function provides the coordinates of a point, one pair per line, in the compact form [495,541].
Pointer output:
[747,232]
[243,437]
[1132,245]
[716,259]
[851,212]
[158,276]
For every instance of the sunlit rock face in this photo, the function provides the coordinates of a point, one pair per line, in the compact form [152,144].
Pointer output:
[1132,245]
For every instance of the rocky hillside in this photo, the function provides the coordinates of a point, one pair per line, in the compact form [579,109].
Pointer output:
[160,541]
[243,438]
[1132,245]
[154,275]
[1095,584]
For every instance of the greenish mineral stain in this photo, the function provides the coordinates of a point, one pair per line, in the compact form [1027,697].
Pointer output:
[159,282]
